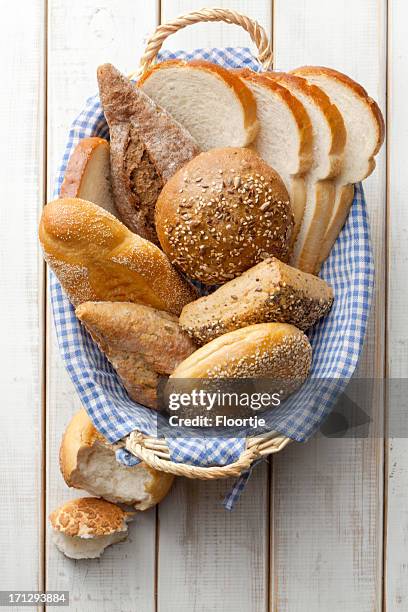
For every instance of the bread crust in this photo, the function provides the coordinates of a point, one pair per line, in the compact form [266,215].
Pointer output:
[269,292]
[329,110]
[243,93]
[222,213]
[79,439]
[357,89]
[298,110]
[89,517]
[96,258]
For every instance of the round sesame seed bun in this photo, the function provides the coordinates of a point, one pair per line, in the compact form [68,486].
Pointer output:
[223,212]
[276,351]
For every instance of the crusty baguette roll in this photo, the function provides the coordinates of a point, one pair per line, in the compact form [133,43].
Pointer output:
[270,291]
[216,107]
[141,343]
[88,174]
[83,528]
[365,135]
[268,350]
[147,147]
[96,258]
[285,137]
[87,461]
[222,213]
[329,139]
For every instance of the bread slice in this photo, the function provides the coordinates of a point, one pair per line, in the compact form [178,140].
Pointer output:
[147,147]
[141,343]
[216,107]
[88,174]
[365,135]
[285,136]
[329,139]
[271,291]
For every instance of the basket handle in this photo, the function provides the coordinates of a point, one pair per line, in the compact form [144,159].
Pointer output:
[256,32]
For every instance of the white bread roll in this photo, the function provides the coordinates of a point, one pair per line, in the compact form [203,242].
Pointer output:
[97,258]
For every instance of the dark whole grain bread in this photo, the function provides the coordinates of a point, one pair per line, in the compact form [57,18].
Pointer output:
[147,147]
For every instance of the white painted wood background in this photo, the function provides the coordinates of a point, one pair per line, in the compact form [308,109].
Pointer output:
[324,527]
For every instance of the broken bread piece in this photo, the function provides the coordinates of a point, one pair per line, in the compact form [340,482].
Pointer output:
[270,291]
[87,461]
[141,343]
[147,147]
[83,528]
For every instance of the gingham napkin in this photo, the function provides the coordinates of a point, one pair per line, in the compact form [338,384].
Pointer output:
[337,340]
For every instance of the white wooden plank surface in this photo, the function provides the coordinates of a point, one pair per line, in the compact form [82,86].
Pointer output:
[82,36]
[210,559]
[21,188]
[396,554]
[327,496]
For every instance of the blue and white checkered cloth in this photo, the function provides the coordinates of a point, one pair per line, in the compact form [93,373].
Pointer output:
[337,340]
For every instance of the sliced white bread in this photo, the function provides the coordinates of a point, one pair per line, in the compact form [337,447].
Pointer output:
[285,136]
[365,135]
[329,139]
[215,106]
[88,174]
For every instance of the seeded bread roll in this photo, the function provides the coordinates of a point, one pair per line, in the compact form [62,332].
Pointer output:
[270,291]
[222,213]
[96,258]
[268,350]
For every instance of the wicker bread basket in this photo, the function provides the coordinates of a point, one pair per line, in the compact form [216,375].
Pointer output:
[151,450]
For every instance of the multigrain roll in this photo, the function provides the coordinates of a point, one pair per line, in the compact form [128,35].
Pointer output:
[267,350]
[143,344]
[270,291]
[222,213]
[96,258]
